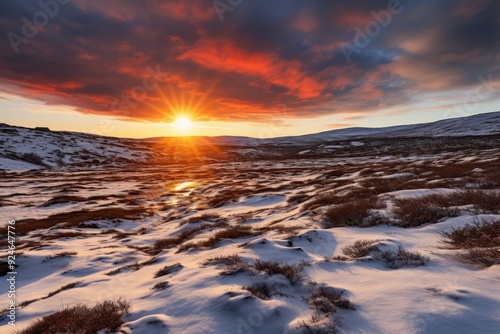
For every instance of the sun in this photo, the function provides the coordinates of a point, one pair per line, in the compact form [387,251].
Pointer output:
[183,123]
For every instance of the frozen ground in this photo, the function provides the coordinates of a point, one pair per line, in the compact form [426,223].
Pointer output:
[163,238]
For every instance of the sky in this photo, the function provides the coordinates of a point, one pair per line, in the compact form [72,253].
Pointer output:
[255,68]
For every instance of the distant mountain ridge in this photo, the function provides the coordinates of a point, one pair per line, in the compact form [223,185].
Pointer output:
[24,148]
[476,125]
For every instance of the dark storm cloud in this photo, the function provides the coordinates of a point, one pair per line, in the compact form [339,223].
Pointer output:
[101,57]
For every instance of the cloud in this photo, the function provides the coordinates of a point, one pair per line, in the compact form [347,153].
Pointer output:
[97,57]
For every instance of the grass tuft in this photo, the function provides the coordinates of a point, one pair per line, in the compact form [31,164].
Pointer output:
[401,257]
[354,213]
[326,300]
[481,240]
[291,271]
[168,270]
[105,317]
[360,248]
[260,291]
[59,255]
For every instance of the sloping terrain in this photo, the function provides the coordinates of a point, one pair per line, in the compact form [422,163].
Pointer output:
[25,149]
[362,240]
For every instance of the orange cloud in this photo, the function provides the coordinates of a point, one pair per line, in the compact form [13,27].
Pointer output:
[188,10]
[223,55]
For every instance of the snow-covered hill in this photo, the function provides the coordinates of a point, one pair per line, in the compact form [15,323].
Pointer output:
[477,125]
[24,148]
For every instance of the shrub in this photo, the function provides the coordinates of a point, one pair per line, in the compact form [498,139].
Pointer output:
[105,317]
[416,211]
[292,229]
[328,198]
[63,199]
[73,218]
[483,201]
[161,286]
[168,270]
[33,158]
[326,300]
[59,255]
[360,248]
[298,198]
[261,291]
[479,234]
[233,232]
[400,257]
[223,259]
[350,214]
[200,218]
[379,186]
[481,240]
[227,196]
[134,266]
[230,264]
[50,294]
[179,239]
[61,289]
[484,257]
[291,271]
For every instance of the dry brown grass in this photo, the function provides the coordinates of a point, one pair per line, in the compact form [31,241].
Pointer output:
[360,248]
[416,211]
[233,232]
[450,170]
[354,213]
[134,266]
[60,235]
[483,201]
[50,294]
[105,317]
[328,198]
[291,271]
[61,289]
[25,244]
[401,257]
[73,218]
[161,286]
[298,198]
[260,291]
[223,260]
[481,240]
[168,270]
[184,236]
[59,255]
[228,195]
[483,257]
[200,218]
[292,229]
[429,209]
[479,234]
[326,300]
[63,199]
